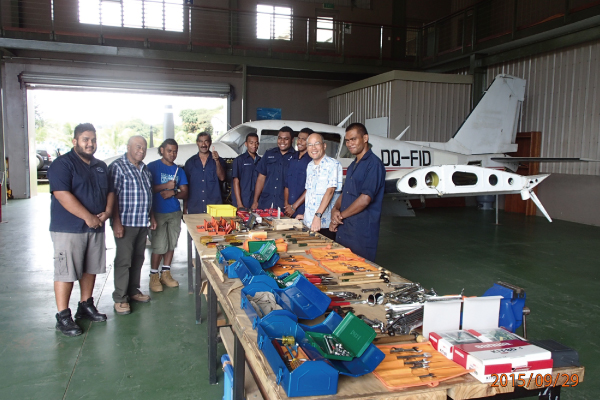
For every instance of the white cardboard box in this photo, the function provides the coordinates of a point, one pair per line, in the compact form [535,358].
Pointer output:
[511,358]
[444,342]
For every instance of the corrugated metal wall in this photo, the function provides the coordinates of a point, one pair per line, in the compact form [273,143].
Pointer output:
[370,102]
[434,111]
[562,100]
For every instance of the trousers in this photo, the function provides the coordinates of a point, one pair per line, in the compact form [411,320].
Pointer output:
[129,259]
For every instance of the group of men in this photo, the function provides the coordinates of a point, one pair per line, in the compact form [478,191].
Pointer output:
[307,184]
[135,196]
[304,183]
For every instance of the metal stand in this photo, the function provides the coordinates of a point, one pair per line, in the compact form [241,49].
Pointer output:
[198,292]
[211,299]
[190,246]
[496,209]
[239,370]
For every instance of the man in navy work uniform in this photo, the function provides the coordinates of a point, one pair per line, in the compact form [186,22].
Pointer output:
[204,171]
[132,186]
[294,191]
[169,184]
[357,212]
[244,173]
[81,203]
[272,170]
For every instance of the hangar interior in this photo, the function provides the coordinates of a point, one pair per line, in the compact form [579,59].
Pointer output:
[300,63]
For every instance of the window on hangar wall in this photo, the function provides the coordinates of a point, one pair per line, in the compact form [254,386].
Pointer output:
[273,22]
[166,15]
[325,32]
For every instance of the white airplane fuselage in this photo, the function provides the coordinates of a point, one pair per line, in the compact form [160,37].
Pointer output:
[480,143]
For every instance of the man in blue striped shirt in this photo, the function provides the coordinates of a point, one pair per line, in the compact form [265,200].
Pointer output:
[132,186]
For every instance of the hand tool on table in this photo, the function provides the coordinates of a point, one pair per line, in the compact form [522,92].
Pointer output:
[281,353]
[401,349]
[297,234]
[313,243]
[417,362]
[287,340]
[406,322]
[429,375]
[371,290]
[382,340]
[344,295]
[341,311]
[424,356]
[363,273]
[375,324]
[325,288]
[345,303]
[359,282]
[382,278]
[375,299]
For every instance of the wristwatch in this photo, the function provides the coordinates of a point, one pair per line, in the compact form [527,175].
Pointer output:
[320,215]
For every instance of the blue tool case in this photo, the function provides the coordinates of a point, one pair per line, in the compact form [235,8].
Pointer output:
[301,299]
[317,375]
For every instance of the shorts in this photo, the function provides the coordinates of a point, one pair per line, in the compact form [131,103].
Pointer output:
[76,253]
[168,227]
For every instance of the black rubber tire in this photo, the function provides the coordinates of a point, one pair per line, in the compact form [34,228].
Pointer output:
[40,162]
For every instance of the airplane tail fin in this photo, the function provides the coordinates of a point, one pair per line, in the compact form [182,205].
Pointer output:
[492,125]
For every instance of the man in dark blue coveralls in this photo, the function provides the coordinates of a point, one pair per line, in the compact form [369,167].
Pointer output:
[204,171]
[244,173]
[272,170]
[357,212]
[295,181]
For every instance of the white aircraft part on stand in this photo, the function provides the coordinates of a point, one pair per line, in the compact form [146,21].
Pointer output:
[469,180]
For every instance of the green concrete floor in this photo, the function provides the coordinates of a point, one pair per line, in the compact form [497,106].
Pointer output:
[158,352]
[556,263]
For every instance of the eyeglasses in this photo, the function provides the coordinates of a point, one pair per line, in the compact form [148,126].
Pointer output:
[318,144]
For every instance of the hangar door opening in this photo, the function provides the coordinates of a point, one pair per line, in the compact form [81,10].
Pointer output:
[118,110]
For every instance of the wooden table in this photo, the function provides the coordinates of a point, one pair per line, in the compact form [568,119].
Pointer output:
[364,387]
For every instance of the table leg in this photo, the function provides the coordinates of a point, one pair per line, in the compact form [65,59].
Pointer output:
[211,299]
[198,289]
[549,393]
[239,362]
[190,246]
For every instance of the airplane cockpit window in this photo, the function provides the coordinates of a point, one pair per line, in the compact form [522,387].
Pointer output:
[236,139]
[268,140]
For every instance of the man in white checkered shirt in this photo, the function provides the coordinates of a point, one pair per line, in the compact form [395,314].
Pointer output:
[132,185]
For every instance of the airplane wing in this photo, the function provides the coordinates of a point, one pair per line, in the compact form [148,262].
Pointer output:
[543,159]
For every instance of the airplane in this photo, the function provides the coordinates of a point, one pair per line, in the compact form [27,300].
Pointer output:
[473,162]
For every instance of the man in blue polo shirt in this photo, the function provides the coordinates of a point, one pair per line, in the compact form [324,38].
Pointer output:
[169,184]
[272,170]
[244,173]
[295,181]
[203,171]
[81,203]
[357,212]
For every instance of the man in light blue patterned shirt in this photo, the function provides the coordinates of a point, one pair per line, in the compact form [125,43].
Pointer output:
[324,178]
